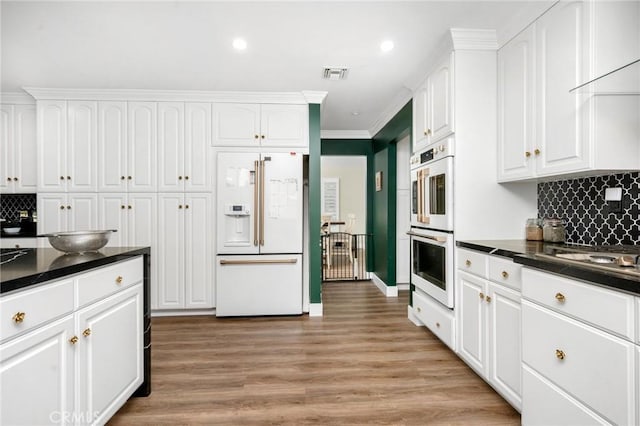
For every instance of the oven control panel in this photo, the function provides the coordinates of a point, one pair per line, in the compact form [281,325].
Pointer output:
[443,148]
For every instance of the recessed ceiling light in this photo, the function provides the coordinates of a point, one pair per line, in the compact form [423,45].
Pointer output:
[386,45]
[239,44]
[356,113]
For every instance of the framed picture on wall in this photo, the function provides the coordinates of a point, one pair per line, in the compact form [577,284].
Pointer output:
[378,181]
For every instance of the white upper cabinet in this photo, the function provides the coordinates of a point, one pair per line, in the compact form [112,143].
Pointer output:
[171,146]
[67,212]
[268,125]
[433,105]
[142,146]
[184,140]
[544,128]
[67,146]
[197,147]
[112,146]
[562,140]
[516,107]
[18,171]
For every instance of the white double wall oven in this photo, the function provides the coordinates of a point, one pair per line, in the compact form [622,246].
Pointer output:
[432,240]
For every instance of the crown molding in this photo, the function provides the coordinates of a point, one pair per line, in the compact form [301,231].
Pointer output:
[314,97]
[345,134]
[400,100]
[16,98]
[171,95]
[470,39]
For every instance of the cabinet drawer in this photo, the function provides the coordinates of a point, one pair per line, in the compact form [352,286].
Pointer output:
[596,368]
[545,404]
[105,281]
[607,309]
[472,261]
[504,271]
[435,317]
[35,306]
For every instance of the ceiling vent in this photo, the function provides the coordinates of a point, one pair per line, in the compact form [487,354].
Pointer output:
[335,73]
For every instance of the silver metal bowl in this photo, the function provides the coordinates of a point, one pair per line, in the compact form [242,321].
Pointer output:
[79,241]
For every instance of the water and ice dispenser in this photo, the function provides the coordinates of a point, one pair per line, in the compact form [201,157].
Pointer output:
[237,225]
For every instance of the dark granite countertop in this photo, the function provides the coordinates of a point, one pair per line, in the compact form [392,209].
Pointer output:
[38,265]
[536,254]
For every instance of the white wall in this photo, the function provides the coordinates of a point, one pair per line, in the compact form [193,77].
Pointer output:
[352,173]
[403,211]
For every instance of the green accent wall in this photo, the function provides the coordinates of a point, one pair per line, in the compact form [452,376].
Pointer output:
[384,201]
[315,255]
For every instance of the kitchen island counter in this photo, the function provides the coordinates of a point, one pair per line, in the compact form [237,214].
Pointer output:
[537,254]
[21,268]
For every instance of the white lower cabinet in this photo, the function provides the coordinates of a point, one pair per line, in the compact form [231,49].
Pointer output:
[82,364]
[573,362]
[18,242]
[110,352]
[37,376]
[435,317]
[185,260]
[488,320]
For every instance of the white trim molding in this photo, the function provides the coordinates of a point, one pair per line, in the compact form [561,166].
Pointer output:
[315,309]
[345,134]
[173,95]
[16,98]
[471,39]
[182,312]
[402,286]
[314,97]
[387,290]
[395,106]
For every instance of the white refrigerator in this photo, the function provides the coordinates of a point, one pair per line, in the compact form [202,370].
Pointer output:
[259,233]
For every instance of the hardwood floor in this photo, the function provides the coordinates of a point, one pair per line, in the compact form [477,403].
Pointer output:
[363,362]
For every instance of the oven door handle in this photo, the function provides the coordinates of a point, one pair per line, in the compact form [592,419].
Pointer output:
[429,237]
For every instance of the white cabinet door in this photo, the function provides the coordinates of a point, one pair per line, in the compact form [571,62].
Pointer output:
[516,107]
[236,125]
[82,145]
[284,125]
[420,133]
[52,213]
[171,146]
[112,146]
[37,376]
[113,214]
[110,353]
[561,130]
[198,256]
[25,149]
[504,343]
[282,210]
[52,146]
[197,147]
[142,146]
[440,107]
[6,148]
[142,220]
[82,212]
[171,244]
[472,334]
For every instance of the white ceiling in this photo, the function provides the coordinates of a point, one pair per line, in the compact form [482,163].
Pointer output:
[187,46]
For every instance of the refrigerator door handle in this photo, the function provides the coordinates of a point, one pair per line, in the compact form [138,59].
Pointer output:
[262,202]
[256,165]
[258,262]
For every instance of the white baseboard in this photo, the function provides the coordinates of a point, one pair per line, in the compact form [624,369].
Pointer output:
[412,317]
[315,309]
[182,312]
[387,290]
[403,286]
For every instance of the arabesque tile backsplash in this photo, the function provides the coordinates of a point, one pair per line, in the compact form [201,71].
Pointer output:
[580,203]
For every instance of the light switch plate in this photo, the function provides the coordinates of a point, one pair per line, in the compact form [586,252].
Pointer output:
[613,194]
